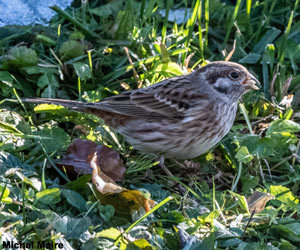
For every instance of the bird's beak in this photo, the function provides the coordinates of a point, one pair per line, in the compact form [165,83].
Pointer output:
[250,83]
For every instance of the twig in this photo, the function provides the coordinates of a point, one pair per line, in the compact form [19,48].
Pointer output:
[272,84]
[286,85]
[187,60]
[136,77]
[283,161]
[231,52]
[261,120]
[251,216]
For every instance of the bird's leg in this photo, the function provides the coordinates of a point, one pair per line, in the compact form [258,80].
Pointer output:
[163,166]
[167,171]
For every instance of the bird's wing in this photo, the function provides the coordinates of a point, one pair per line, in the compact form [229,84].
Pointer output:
[169,98]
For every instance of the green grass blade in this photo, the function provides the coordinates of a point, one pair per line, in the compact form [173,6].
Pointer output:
[236,10]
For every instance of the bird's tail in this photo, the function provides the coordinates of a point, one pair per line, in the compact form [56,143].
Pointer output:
[74,105]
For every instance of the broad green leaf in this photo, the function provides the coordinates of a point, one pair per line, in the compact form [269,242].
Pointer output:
[249,182]
[4,192]
[251,58]
[106,10]
[207,243]
[169,69]
[53,139]
[6,78]
[72,228]
[287,126]
[20,57]
[71,49]
[111,233]
[283,194]
[48,107]
[174,216]
[107,212]
[49,196]
[289,229]
[243,155]
[50,82]
[241,200]
[82,70]
[142,244]
[269,37]
[75,199]
[12,122]
[34,70]
[46,80]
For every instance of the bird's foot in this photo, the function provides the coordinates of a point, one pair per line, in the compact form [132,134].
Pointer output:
[181,189]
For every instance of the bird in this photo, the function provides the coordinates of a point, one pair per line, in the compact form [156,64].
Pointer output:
[181,117]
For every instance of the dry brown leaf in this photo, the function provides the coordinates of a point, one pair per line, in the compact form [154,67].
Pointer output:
[76,159]
[103,183]
[124,200]
[257,201]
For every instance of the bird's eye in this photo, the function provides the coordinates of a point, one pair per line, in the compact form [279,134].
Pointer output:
[234,75]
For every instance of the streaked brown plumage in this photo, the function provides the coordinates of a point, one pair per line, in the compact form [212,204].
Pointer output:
[181,117]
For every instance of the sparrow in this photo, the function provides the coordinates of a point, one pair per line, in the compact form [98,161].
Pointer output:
[181,117]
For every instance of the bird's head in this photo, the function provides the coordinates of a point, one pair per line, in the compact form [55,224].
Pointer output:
[227,79]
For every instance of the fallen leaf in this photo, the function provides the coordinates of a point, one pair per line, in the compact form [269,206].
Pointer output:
[103,183]
[125,201]
[257,201]
[76,159]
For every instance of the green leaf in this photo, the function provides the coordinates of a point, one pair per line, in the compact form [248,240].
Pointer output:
[106,10]
[52,139]
[72,228]
[243,155]
[7,83]
[249,182]
[111,233]
[49,196]
[289,229]
[71,49]
[75,199]
[50,82]
[6,78]
[270,54]
[283,194]
[251,58]
[142,244]
[168,69]
[241,200]
[20,57]
[269,37]
[107,212]
[125,21]
[287,126]
[4,193]
[174,216]
[12,122]
[207,243]
[82,70]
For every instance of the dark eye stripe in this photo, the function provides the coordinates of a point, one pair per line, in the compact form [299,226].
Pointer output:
[221,90]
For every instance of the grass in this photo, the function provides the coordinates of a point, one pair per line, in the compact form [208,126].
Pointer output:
[81,56]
